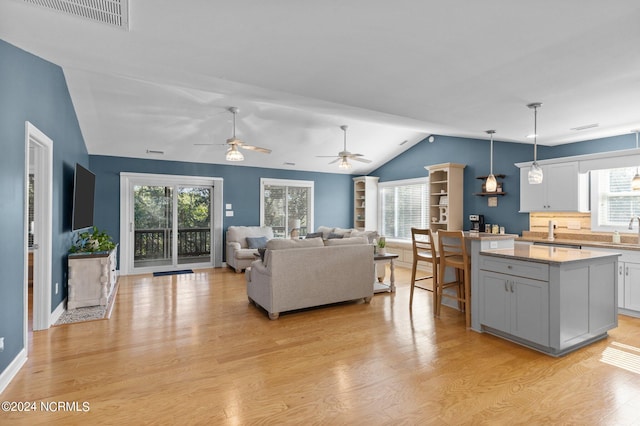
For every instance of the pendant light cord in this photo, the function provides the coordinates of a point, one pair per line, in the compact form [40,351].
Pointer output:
[491,162]
[535,134]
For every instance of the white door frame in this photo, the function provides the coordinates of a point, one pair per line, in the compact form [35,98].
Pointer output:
[43,204]
[126,213]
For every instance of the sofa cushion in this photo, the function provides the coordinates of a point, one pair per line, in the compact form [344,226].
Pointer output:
[346,233]
[281,244]
[285,244]
[369,235]
[325,231]
[256,242]
[246,254]
[334,236]
[314,235]
[345,241]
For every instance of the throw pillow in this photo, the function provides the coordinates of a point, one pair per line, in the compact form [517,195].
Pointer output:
[333,235]
[261,252]
[256,242]
[314,235]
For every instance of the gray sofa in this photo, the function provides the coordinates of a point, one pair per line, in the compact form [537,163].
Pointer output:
[239,256]
[298,274]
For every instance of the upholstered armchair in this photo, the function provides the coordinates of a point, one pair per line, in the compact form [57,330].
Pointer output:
[243,242]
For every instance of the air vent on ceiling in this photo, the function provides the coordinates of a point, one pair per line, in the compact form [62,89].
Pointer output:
[585,127]
[112,12]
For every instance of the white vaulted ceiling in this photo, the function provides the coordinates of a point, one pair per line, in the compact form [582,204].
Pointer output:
[393,71]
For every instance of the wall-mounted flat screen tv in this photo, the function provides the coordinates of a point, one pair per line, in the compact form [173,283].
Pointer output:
[84,185]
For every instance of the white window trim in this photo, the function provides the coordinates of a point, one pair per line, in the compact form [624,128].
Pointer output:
[289,182]
[595,211]
[392,183]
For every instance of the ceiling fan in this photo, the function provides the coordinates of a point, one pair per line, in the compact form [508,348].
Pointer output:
[344,155]
[233,154]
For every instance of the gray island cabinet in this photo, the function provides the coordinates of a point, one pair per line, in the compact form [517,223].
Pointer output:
[551,299]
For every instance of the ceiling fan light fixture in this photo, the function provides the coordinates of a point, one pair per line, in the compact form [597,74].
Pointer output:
[344,164]
[234,155]
[535,175]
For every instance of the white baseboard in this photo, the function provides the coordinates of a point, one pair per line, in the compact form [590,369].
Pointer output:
[12,369]
[55,315]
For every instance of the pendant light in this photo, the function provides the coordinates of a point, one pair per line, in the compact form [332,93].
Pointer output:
[535,173]
[635,182]
[491,185]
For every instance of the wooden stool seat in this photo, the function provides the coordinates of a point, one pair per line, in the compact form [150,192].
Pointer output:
[424,250]
[453,254]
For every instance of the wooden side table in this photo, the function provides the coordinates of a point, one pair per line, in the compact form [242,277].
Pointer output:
[382,259]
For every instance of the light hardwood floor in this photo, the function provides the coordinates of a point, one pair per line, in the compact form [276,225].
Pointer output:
[190,349]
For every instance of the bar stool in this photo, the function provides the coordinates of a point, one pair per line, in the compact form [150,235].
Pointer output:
[453,253]
[424,250]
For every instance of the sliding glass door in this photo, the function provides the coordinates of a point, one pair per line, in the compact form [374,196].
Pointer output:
[194,224]
[153,224]
[171,225]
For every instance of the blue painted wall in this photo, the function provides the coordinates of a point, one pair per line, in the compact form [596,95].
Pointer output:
[614,143]
[333,202]
[34,90]
[475,154]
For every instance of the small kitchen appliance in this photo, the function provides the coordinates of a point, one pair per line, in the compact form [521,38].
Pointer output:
[477,222]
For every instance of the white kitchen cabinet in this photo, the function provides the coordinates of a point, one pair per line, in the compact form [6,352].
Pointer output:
[515,305]
[563,188]
[554,300]
[628,279]
[632,286]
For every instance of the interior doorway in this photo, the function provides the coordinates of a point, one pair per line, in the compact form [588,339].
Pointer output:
[38,227]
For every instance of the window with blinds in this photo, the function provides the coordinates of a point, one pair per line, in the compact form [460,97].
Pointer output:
[403,205]
[616,202]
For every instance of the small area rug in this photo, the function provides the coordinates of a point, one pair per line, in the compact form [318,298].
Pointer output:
[89,313]
[182,271]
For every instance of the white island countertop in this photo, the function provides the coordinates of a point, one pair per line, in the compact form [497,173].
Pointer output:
[547,254]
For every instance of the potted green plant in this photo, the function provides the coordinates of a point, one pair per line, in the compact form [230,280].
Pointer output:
[92,241]
[382,243]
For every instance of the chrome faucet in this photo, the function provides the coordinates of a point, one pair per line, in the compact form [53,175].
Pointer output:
[631,226]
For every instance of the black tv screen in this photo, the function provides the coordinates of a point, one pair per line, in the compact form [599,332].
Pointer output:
[84,186]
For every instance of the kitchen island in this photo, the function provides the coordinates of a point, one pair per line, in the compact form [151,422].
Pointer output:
[551,299]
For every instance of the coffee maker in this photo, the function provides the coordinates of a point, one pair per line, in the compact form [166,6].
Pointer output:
[477,222]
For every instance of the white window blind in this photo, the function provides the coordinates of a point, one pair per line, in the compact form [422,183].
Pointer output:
[617,203]
[403,205]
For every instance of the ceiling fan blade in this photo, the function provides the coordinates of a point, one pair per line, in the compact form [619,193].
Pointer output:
[362,160]
[255,148]
[328,156]
[211,144]
[335,161]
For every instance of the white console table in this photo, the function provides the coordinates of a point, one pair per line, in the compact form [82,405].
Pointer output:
[92,277]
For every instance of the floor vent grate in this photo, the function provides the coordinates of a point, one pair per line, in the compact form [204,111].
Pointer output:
[112,12]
